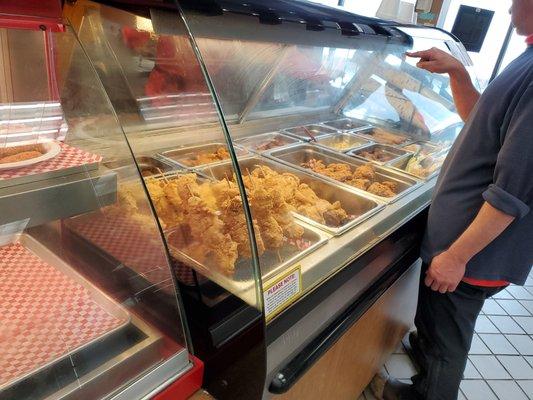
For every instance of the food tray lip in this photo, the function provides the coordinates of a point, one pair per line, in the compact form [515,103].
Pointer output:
[361,128]
[251,139]
[323,238]
[35,247]
[366,141]
[406,154]
[410,140]
[162,155]
[305,139]
[341,157]
[378,205]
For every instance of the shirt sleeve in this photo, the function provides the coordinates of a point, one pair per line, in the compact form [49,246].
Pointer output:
[512,189]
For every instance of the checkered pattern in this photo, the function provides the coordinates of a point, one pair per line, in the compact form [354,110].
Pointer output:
[43,314]
[69,157]
[133,245]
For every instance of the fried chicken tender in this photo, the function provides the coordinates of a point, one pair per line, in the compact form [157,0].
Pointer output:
[208,229]
[22,156]
[381,190]
[365,172]
[320,210]
[235,225]
[338,171]
[391,185]
[220,154]
[361,183]
[262,205]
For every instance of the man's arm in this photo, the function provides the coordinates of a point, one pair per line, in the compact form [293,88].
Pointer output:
[448,268]
[464,93]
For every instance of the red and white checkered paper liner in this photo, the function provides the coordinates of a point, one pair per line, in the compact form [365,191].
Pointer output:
[69,157]
[132,245]
[44,314]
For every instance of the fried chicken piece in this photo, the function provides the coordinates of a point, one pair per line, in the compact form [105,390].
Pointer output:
[207,228]
[220,154]
[381,190]
[391,185]
[22,156]
[365,172]
[319,210]
[262,205]
[235,225]
[360,183]
[338,171]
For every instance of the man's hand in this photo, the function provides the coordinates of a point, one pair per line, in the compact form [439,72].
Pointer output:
[464,93]
[438,61]
[445,272]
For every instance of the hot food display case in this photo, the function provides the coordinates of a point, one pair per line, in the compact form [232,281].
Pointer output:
[281,155]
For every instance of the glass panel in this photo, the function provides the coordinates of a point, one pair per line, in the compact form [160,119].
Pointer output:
[485,60]
[174,131]
[88,298]
[328,114]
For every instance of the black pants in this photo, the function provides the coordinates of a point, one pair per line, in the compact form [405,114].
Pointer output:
[445,325]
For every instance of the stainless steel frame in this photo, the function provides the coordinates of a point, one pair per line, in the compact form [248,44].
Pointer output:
[348,125]
[317,130]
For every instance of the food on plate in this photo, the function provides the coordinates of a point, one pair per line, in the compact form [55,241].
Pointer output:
[363,177]
[20,153]
[377,154]
[382,136]
[202,158]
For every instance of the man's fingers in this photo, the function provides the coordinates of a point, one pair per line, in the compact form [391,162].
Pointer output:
[427,65]
[443,288]
[435,286]
[429,280]
[419,54]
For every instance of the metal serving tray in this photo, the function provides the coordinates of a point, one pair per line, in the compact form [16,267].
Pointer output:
[343,142]
[99,297]
[426,148]
[401,164]
[318,131]
[348,125]
[299,154]
[180,156]
[361,207]
[369,134]
[394,153]
[272,263]
[258,143]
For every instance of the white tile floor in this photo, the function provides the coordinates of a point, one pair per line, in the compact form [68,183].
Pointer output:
[500,365]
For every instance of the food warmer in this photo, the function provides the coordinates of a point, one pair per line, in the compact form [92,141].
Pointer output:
[75,324]
[289,152]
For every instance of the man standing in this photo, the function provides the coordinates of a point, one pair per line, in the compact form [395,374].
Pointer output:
[479,236]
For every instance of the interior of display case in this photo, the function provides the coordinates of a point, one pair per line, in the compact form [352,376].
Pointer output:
[331,141]
[79,318]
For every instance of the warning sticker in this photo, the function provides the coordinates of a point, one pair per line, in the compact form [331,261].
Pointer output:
[279,293]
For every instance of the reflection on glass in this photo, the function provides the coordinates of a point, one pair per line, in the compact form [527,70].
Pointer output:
[88,299]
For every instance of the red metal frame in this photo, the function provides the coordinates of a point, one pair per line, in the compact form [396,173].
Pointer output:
[185,386]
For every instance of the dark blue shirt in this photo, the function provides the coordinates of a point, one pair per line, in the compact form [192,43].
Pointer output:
[491,160]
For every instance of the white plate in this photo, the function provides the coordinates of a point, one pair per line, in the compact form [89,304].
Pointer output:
[52,150]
